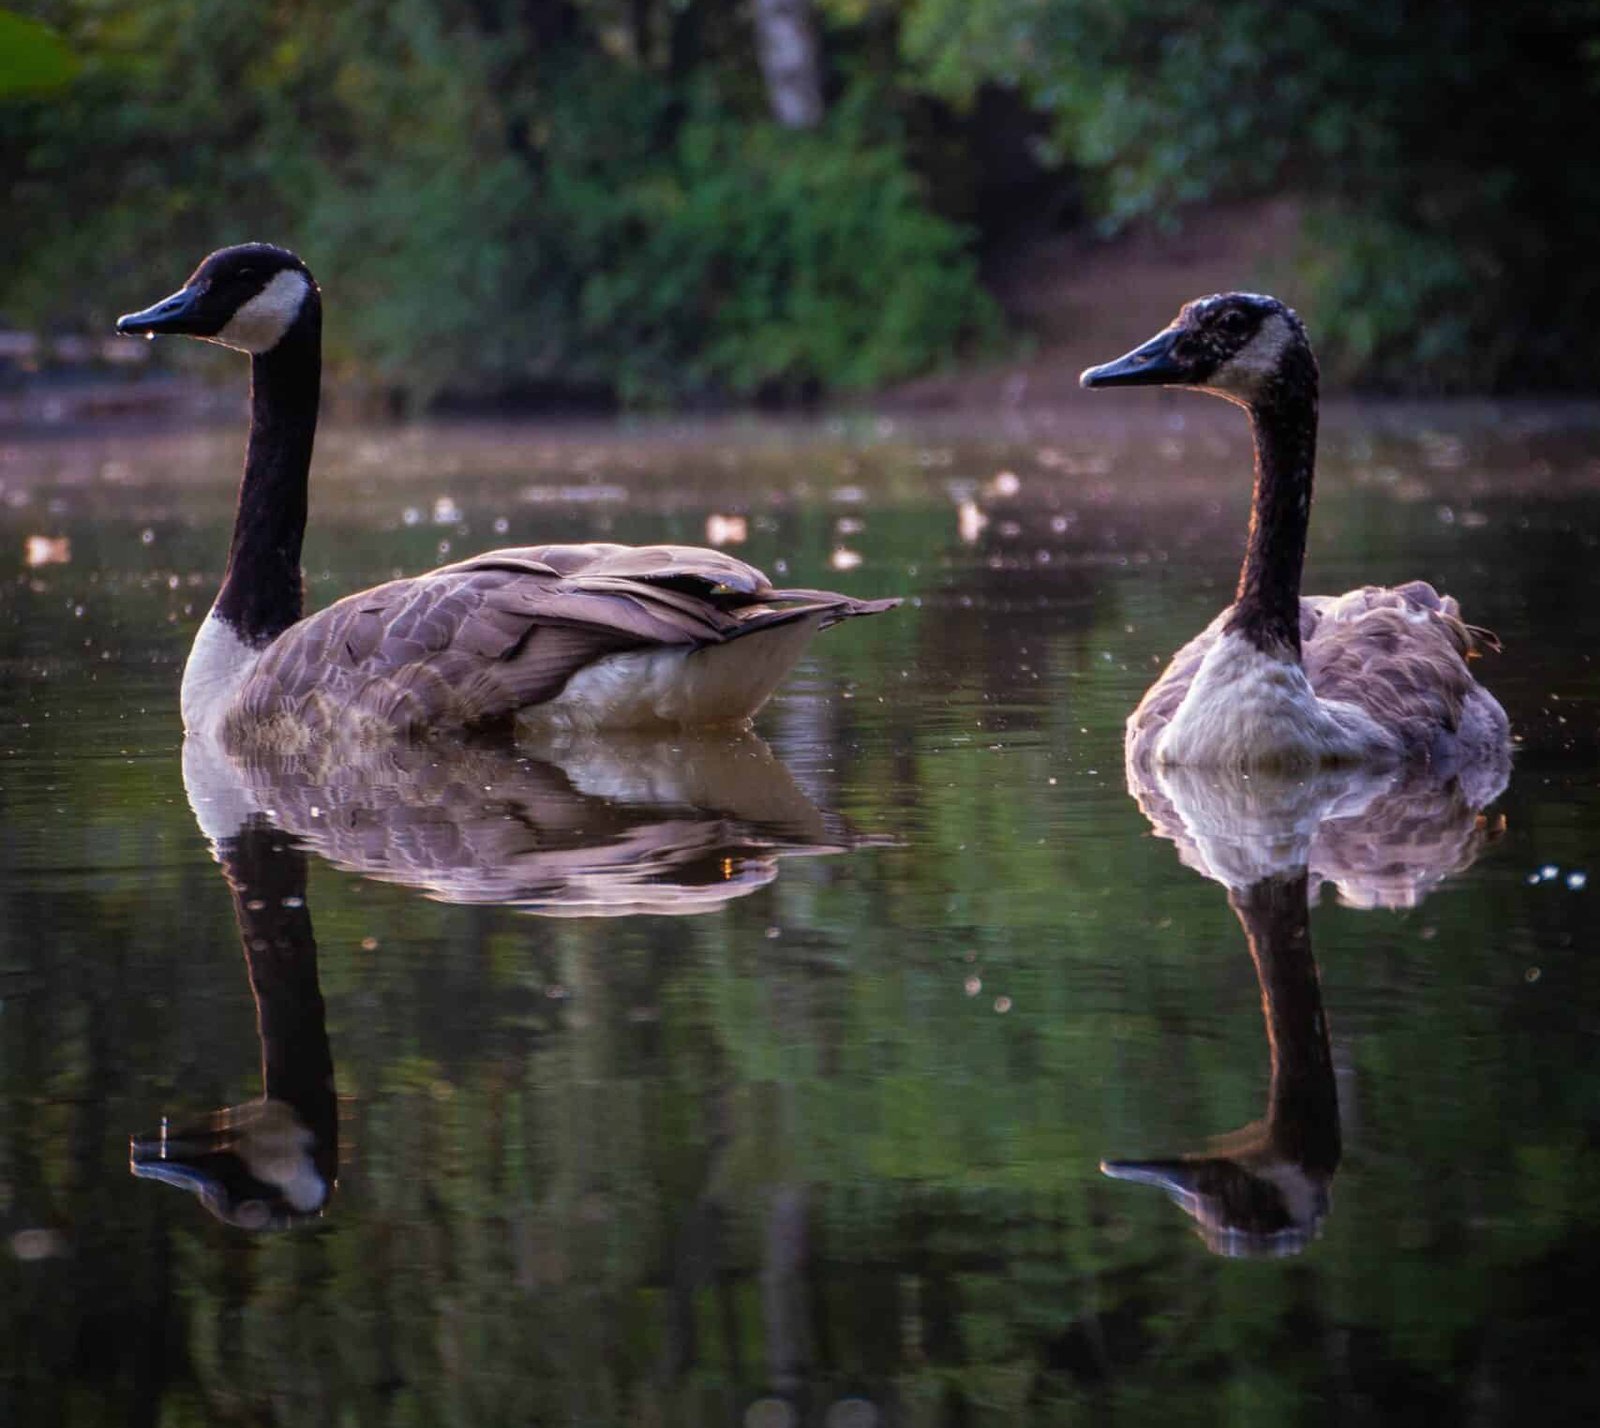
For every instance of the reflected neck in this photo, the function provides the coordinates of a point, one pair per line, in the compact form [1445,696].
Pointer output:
[1266,607]
[266,873]
[1302,1102]
[261,593]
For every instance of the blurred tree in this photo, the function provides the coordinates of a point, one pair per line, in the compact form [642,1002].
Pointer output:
[1452,220]
[574,196]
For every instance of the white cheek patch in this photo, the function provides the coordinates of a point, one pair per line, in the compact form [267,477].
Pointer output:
[1243,374]
[259,325]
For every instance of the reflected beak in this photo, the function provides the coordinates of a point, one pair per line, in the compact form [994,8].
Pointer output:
[179,313]
[1177,1177]
[1151,365]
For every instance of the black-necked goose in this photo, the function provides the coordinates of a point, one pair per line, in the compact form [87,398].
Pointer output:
[1374,676]
[592,636]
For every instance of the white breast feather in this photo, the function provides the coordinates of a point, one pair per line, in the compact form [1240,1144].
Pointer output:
[1247,709]
[218,664]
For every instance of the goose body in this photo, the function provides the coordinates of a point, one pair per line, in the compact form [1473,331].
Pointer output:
[582,636]
[1376,676]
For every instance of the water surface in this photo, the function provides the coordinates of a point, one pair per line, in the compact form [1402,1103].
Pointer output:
[808,1126]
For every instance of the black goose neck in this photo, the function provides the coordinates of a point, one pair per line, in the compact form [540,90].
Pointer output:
[261,592]
[1302,1102]
[1284,422]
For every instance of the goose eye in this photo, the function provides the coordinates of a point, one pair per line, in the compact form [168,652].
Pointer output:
[1233,322]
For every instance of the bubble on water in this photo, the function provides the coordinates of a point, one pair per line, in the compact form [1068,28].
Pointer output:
[973,986]
[411,515]
[1002,1005]
[1549,872]
[1577,881]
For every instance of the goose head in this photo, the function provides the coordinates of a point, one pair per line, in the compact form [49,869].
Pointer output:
[247,297]
[1245,347]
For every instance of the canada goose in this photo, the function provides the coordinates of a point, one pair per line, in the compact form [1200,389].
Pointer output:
[1374,676]
[578,635]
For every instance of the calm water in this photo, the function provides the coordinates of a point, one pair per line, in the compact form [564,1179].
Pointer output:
[808,1127]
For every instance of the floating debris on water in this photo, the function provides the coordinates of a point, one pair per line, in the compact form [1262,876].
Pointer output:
[47,550]
[844,559]
[726,530]
[970,521]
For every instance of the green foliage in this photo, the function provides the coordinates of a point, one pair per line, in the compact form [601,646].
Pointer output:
[32,57]
[1456,219]
[493,200]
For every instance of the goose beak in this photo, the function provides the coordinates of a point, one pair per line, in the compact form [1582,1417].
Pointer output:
[1151,365]
[179,313]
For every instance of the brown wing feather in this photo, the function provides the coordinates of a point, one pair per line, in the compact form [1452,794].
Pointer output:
[1401,655]
[473,643]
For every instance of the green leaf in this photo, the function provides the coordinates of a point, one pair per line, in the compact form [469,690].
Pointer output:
[32,57]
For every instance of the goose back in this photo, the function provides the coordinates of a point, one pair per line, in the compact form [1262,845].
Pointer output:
[477,643]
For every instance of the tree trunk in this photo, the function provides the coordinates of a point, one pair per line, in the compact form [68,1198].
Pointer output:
[791,62]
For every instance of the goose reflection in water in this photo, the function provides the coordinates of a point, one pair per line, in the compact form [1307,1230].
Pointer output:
[592,829]
[1382,840]
[269,1163]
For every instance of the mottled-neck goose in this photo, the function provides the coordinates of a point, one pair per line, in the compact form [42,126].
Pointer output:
[591,636]
[1375,676]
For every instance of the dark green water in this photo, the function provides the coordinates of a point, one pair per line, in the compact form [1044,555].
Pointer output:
[823,1147]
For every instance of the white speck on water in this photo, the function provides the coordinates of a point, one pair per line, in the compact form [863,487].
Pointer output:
[1549,872]
[147,536]
[445,511]
[773,933]
[1577,881]
[411,515]
[1532,975]
[974,985]
[1002,1005]
[501,525]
